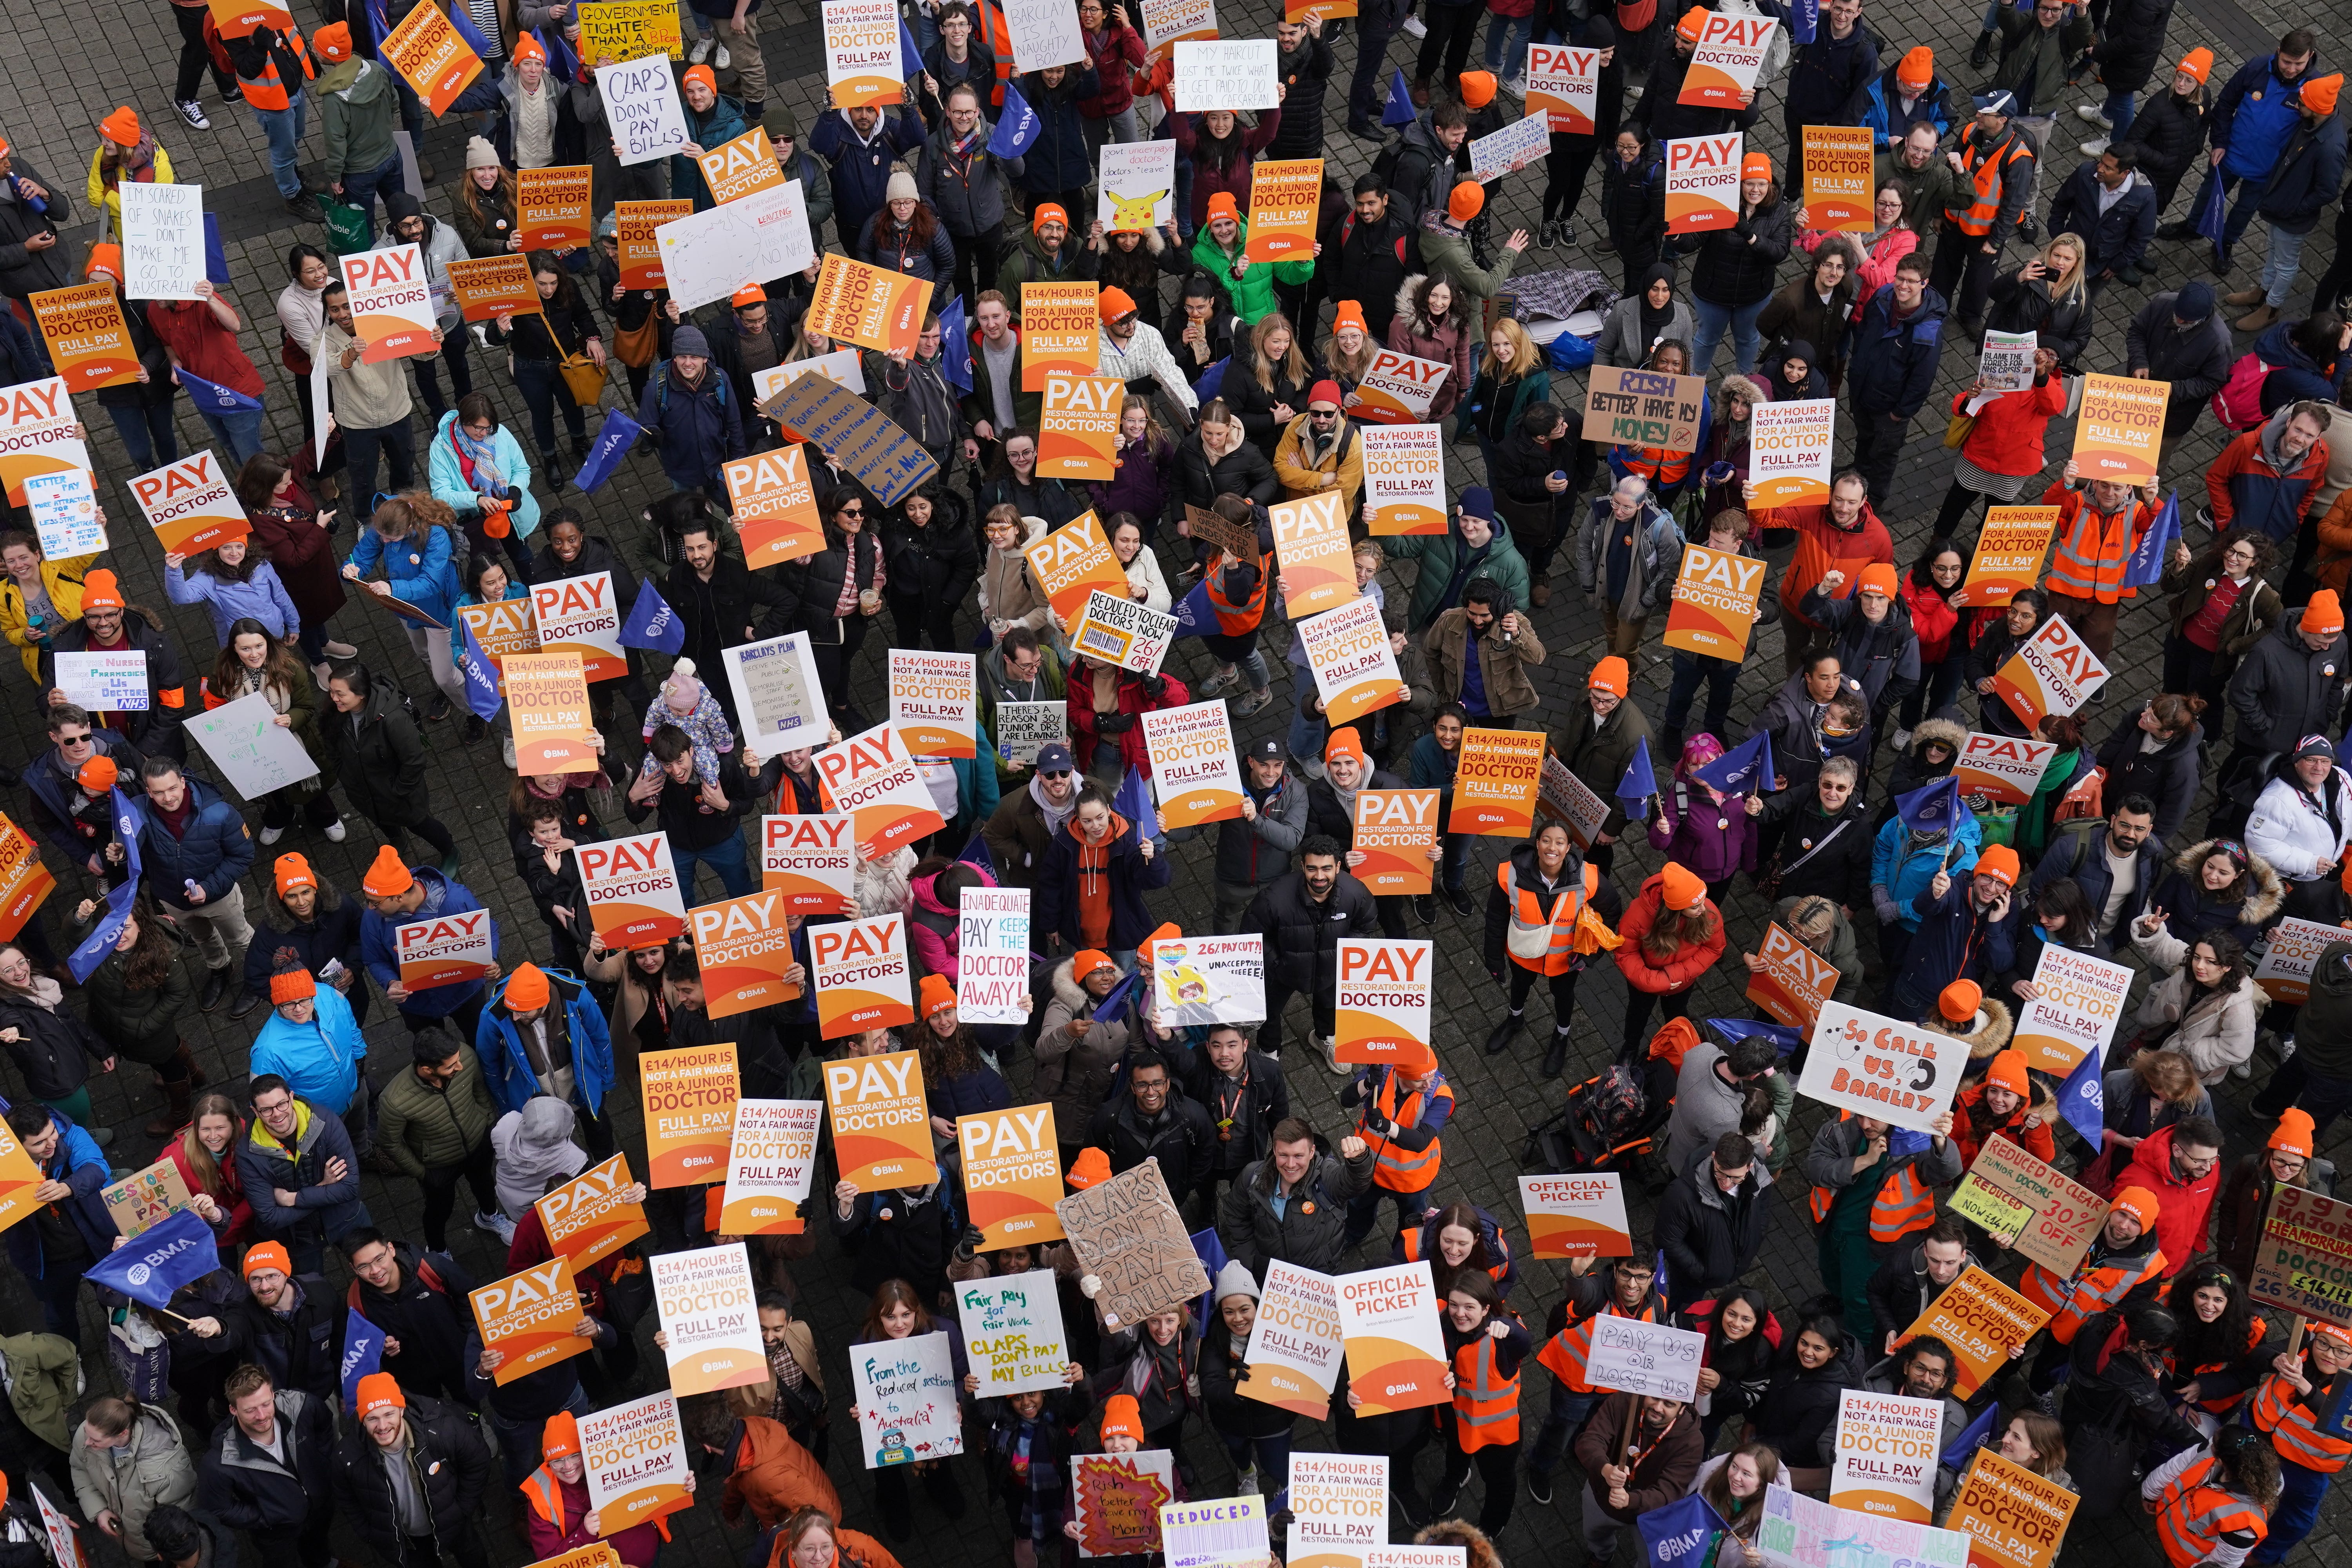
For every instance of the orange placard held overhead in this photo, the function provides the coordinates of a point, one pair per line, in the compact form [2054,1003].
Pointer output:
[881,1121]
[586,1218]
[1313,551]
[432,56]
[554,207]
[1714,601]
[864,980]
[1012,1176]
[774,502]
[1495,786]
[855,304]
[2010,548]
[190,505]
[24,883]
[242,18]
[1074,561]
[1285,198]
[689,1109]
[1395,830]
[1077,427]
[493,286]
[18,1178]
[874,778]
[746,952]
[2121,432]
[641,258]
[1193,769]
[1723,63]
[547,703]
[1580,1215]
[1061,329]
[1703,183]
[529,1318]
[811,859]
[742,167]
[89,341]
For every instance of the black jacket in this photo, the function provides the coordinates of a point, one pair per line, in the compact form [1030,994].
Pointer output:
[1800,1404]
[687,818]
[1325,814]
[1900,1289]
[2131,42]
[2118,236]
[2112,1388]
[2171,132]
[1306,1234]
[449,1464]
[2022,305]
[1372,261]
[595,556]
[379,758]
[331,932]
[2195,360]
[1048,499]
[1181,1138]
[2168,777]
[1664,120]
[1306,72]
[891,1239]
[1741,265]
[1711,1239]
[1231,1413]
[1302,937]
[301,1349]
[26,272]
[2307,176]
[936,563]
[1244,471]
[428,1314]
[53,1051]
[1841,870]
[156,731]
[721,613]
[1255,403]
[1254,1109]
[812,585]
[727,354]
[245,1489]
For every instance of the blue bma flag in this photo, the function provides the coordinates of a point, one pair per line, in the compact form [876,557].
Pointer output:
[976,854]
[1194,616]
[1134,803]
[1639,783]
[1213,380]
[1017,126]
[362,1355]
[1745,769]
[164,1257]
[1974,1436]
[2082,1101]
[1677,1535]
[1804,19]
[561,61]
[1932,807]
[910,59]
[467,31]
[955,345]
[1397,110]
[2145,567]
[1737,1030]
[85,959]
[215,254]
[615,436]
[652,624]
[211,397]
[481,675]
[1212,1254]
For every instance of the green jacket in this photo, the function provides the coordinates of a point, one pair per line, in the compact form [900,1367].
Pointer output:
[1446,252]
[43,1378]
[427,1126]
[1253,291]
[360,110]
[1441,553]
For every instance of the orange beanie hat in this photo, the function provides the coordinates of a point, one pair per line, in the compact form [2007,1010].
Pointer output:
[1344,742]
[1693,23]
[2000,862]
[387,877]
[2319,97]
[293,872]
[526,988]
[1468,200]
[1611,675]
[1168,931]
[1877,578]
[2139,1203]
[704,75]
[1919,67]
[1959,1001]
[2008,1071]
[98,776]
[2197,63]
[562,1434]
[291,985]
[105,261]
[122,127]
[1682,889]
[1221,205]
[102,591]
[1114,303]
[1052,212]
[1122,1418]
[1092,1169]
[1477,89]
[938,992]
[1756,166]
[378,1391]
[267,1255]
[2294,1131]
[2324,615]
[1350,314]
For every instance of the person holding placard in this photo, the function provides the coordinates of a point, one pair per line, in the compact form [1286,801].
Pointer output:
[126,151]
[540,346]
[2245,1200]
[1866,1199]
[557,1517]
[200,334]
[1628,1473]
[2002,454]
[37,596]
[439,244]
[396,894]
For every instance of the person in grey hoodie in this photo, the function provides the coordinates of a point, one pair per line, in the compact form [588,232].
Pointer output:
[407,222]
[360,108]
[1711,1094]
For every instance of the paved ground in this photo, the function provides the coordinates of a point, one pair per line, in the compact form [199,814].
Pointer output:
[76,64]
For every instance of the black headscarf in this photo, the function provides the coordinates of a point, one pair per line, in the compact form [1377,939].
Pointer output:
[1654,320]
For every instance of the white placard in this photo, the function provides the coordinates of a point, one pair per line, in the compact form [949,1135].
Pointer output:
[1025,729]
[321,378]
[1130,173]
[255,753]
[1729,52]
[1012,1336]
[842,366]
[162,240]
[1354,663]
[1576,1214]
[1882,1068]
[1569,78]
[1636,1357]
[1224,1532]
[61,1528]
[752,239]
[1044,34]
[992,955]
[1210,980]
[634,1456]
[1511,148]
[1791,443]
[1295,1344]
[1122,631]
[641,106]
[934,695]
[2291,950]
[2006,361]
[65,514]
[1888,1446]
[2081,1002]
[1339,1508]
[813,856]
[1237,74]
[907,1406]
[1392,1319]
[107,682]
[779,701]
[705,1304]
[770,1162]
[1405,466]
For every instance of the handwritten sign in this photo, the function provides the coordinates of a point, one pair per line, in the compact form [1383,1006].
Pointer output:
[1044,33]
[1239,74]
[854,434]
[1643,408]
[2063,1216]
[642,108]
[1136,187]
[1634,1357]
[254,755]
[162,240]
[1118,631]
[2304,1257]
[146,1197]
[1127,1233]
[1511,148]
[779,701]
[1203,980]
[626,29]
[1119,1495]
[1882,1068]
[1012,1327]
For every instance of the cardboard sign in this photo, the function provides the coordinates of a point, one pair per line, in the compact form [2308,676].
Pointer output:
[1044,33]
[1643,408]
[1193,770]
[1383,1000]
[2005,364]
[1286,198]
[689,1098]
[1495,784]
[1127,1233]
[770,1158]
[1564,83]
[2054,672]
[812,860]
[779,701]
[1165,22]
[842,366]
[1984,1321]
[1562,797]
[633,899]
[146,1197]
[1115,630]
[1238,540]
[2081,1002]
[19,1176]
[642,108]
[1231,1533]
[744,167]
[191,505]
[1074,561]
[1578,1216]
[2007,557]
[1634,1357]
[529,1318]
[1882,1068]
[2293,949]
[932,702]
[433,57]
[1396,1352]
[2304,1257]
[626,29]
[1839,176]
[581,617]
[1887,1449]
[1404,477]
[492,287]
[1723,65]
[1703,183]
[1789,451]
[2120,434]
[1118,1496]
[547,703]
[1339,1508]
[640,222]
[1296,1342]
[705,1304]
[586,1220]
[1012,1176]
[2013,1518]
[1202,980]
[636,1461]
[1242,74]
[1395,831]
[1077,427]
[24,883]
[2061,1214]
[1136,187]
[391,303]
[1061,331]
[553,208]
[444,950]
[855,304]
[881,1121]
[1011,1326]
[1397,389]
[1799,1533]
[1795,982]
[1311,550]
[39,434]
[875,778]
[745,948]
[993,956]
[1714,606]
[2000,768]
[1506,151]
[89,341]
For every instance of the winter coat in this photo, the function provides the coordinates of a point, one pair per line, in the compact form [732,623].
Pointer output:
[1181,1138]
[1662,1472]
[2216,1030]
[1838,868]
[1027,260]
[426,1127]
[1302,936]
[320,1060]
[1252,853]
[451,487]
[360,106]
[1122,726]
[1955,940]
[265,1164]
[2182,1208]
[1253,291]
[449,1466]
[1077,1075]
[2190,911]
[2131,43]
[1254,400]
[2308,175]
[1424,174]
[24,272]
[2034,58]
[1674,973]
[1116,53]
[697,428]
[1620,345]
[444,896]
[244,1488]
[1502,667]
[960,180]
[76,1163]
[1244,471]
[1447,253]
[505,1065]
[1798,313]
[1310,1230]
[894,1236]
[380,758]
[2118,237]
[1707,1246]
[2284,690]
[1882,657]
[1131,877]
[2020,304]
[2293,834]
[2256,113]
[1371,261]
[1660,540]
[885,244]
[2168,776]
[141,1022]
[54,1047]
[1448,341]
[1708,839]
[1879,107]
[2007,436]
[860,168]
[1059,160]
[1448,563]
[157,1472]
[2195,360]
[1893,366]
[214,848]
[1598,752]
[1906,871]
[2171,132]
[1737,265]
[1633,200]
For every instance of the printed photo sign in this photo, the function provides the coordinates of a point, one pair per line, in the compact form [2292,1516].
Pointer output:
[779,701]
[1136,189]
[1634,1357]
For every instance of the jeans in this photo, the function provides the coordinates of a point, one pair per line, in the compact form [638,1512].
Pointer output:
[1507,44]
[397,443]
[284,128]
[1567,1413]
[455,341]
[1712,321]
[1720,676]
[1455,864]
[2120,108]
[360,190]
[147,433]
[2281,267]
[540,382]
[239,432]
[2242,208]
[2300,1492]
[726,857]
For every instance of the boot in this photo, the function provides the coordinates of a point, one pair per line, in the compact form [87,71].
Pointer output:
[1499,1038]
[2257,319]
[176,1094]
[2241,298]
[1555,1058]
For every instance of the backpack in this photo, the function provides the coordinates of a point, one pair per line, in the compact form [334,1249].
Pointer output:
[1615,1105]
[2239,404]
[1384,164]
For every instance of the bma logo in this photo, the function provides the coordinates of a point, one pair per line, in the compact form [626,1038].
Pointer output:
[137,1274]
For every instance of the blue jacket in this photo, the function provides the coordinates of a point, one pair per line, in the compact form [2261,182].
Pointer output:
[263,597]
[697,428]
[322,1209]
[1893,366]
[214,853]
[2253,117]
[507,1068]
[2307,177]
[443,896]
[2294,374]
[416,570]
[514,591]
[320,1060]
[1826,75]
[861,170]
[78,1165]
[1952,942]
[1905,872]
[450,487]
[1879,107]
[976,792]
[2118,237]
[20,358]
[722,122]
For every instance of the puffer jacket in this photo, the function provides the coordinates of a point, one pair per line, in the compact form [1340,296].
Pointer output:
[1882,657]
[426,1127]
[1305,1235]
[959,179]
[2284,690]
[1244,471]
[1251,853]
[1676,972]
[1904,871]
[2020,304]
[155,1473]
[1076,1075]
[1302,937]
[2290,831]
[2007,436]
[1893,366]
[2168,776]
[2252,486]
[1708,839]
[450,1467]
[2190,911]
[2214,1030]
[380,758]
[213,850]
[1448,342]
[54,1048]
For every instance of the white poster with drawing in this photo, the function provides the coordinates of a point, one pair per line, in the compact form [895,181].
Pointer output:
[752,239]
[253,751]
[779,704]
[1138,186]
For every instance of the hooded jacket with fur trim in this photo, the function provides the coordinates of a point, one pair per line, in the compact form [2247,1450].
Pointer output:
[2190,911]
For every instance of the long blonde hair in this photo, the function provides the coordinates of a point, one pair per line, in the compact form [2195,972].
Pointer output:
[2078,287]
[1349,367]
[1523,352]
[1294,363]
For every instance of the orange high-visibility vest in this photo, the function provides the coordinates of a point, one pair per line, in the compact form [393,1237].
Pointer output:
[2093,548]
[1411,1242]
[1565,1354]
[1985,171]
[544,1495]
[999,39]
[2073,1302]
[1486,1405]
[1237,620]
[265,91]
[2295,1431]
[1904,1205]
[1404,1170]
[2192,1516]
[1530,917]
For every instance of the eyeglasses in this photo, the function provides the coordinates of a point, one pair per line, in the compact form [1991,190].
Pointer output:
[1061,773]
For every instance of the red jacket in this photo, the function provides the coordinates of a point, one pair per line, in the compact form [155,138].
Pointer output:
[231,1197]
[1820,544]
[2248,492]
[1678,972]
[2035,1140]
[2181,1206]
[2007,435]
[1933,620]
[1085,729]
[1117,53]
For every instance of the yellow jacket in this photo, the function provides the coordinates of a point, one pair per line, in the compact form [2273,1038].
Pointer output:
[1299,479]
[61,580]
[113,199]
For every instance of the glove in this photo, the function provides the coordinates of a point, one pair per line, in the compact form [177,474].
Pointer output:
[1884,903]
[1155,687]
[1495,973]
[1090,1286]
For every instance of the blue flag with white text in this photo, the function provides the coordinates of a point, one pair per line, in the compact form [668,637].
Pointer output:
[2082,1101]
[615,436]
[1017,126]
[1399,108]
[168,1256]
[1194,616]
[362,1355]
[1745,769]
[2145,567]
[481,676]
[955,345]
[652,624]
[1932,807]
[1677,1536]
[211,397]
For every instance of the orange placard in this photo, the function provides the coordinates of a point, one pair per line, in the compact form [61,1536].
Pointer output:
[855,304]
[2010,548]
[1494,786]
[1078,430]
[529,1318]
[547,704]
[1795,982]
[1285,198]
[392,303]
[190,505]
[1312,550]
[1193,769]
[2121,432]
[89,341]
[881,1121]
[18,1177]
[585,1218]
[774,501]
[2054,671]
[745,949]
[1012,1176]
[810,858]
[1838,177]
[641,261]
[1395,830]
[1384,998]
[242,18]
[1060,331]
[493,286]
[873,777]
[1723,65]
[864,980]
[2013,1518]
[1715,598]
[504,628]
[554,207]
[1074,561]
[434,57]
[742,167]
[1396,1354]
[1703,183]
[1984,1321]
[444,950]
[24,883]
[689,1098]
[1564,86]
